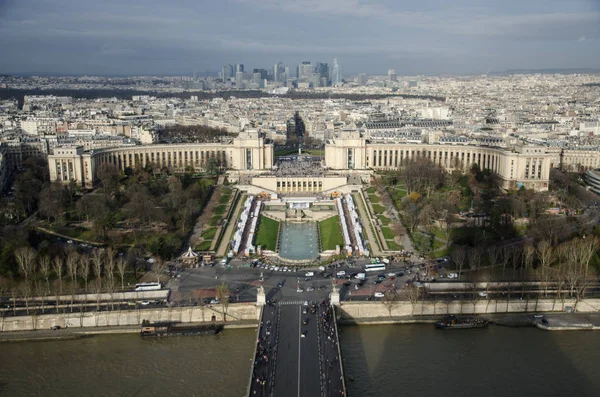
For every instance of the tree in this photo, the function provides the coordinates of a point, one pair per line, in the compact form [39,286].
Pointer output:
[25,257]
[84,269]
[390,300]
[45,270]
[72,264]
[413,294]
[459,256]
[57,265]
[545,254]
[97,259]
[475,254]
[158,268]
[121,266]
[108,174]
[223,298]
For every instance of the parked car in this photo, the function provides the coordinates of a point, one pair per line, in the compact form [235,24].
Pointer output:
[309,289]
[378,294]
[55,327]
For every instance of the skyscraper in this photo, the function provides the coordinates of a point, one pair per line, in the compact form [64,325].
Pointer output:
[239,79]
[239,68]
[278,71]
[323,69]
[392,76]
[362,79]
[227,71]
[304,70]
[336,73]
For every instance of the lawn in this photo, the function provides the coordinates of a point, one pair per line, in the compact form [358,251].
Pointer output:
[371,190]
[209,233]
[388,233]
[374,199]
[394,246]
[225,198]
[331,233]
[215,220]
[267,233]
[204,246]
[384,219]
[220,209]
[440,233]
[378,209]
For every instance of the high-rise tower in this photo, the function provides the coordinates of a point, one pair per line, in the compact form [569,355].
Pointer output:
[336,73]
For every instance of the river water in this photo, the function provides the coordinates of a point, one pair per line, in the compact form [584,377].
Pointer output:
[388,360]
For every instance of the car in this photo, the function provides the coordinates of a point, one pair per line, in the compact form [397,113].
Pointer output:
[378,294]
[310,289]
[309,274]
[341,274]
[214,301]
[544,321]
[280,284]
[400,274]
[69,241]
[55,327]
[305,303]
[303,334]
[391,274]
[307,279]
[300,290]
[322,287]
[144,303]
[304,311]
[381,277]
[305,321]
[378,281]
[483,294]
[538,315]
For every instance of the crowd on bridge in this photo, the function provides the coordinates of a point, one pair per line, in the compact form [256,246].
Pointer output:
[330,359]
[266,354]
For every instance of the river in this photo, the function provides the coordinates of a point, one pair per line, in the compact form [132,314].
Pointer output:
[386,360]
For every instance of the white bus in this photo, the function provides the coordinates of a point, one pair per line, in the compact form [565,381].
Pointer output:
[148,286]
[375,267]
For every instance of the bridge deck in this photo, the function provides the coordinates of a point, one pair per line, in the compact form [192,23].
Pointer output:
[289,364]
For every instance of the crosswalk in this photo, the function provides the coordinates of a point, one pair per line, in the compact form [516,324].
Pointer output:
[287,303]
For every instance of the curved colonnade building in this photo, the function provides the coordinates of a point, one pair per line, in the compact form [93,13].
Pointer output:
[249,156]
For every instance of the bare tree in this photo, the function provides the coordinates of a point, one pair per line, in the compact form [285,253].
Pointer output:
[223,298]
[413,294]
[121,267]
[45,270]
[475,254]
[390,300]
[505,254]
[97,259]
[493,255]
[25,257]
[25,290]
[460,258]
[516,259]
[72,263]
[84,269]
[158,268]
[58,264]
[545,254]
[587,249]
[109,265]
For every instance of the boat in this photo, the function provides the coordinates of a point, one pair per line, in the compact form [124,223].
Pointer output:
[455,322]
[177,329]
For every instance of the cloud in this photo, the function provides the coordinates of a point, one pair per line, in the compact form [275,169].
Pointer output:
[582,38]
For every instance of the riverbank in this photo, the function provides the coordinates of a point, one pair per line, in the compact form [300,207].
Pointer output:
[547,321]
[78,333]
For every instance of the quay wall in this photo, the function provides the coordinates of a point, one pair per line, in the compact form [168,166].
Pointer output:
[367,310]
[194,314]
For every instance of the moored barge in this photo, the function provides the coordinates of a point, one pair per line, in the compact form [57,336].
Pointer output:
[455,322]
[177,329]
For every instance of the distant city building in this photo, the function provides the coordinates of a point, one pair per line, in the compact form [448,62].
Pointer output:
[323,70]
[239,68]
[392,76]
[278,72]
[362,79]
[315,80]
[336,73]
[304,70]
[239,79]
[227,71]
[263,73]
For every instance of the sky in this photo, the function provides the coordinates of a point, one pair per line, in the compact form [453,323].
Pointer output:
[175,37]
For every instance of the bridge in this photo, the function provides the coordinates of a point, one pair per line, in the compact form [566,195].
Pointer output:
[297,351]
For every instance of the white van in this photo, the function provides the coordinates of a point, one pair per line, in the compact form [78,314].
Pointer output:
[361,276]
[341,274]
[309,274]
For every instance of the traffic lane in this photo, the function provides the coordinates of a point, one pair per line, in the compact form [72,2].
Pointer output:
[310,381]
[286,370]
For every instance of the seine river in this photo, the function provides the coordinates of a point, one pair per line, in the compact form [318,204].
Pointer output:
[402,360]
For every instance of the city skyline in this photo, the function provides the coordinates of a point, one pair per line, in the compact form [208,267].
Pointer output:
[119,38]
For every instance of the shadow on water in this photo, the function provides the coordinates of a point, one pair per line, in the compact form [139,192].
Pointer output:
[418,360]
